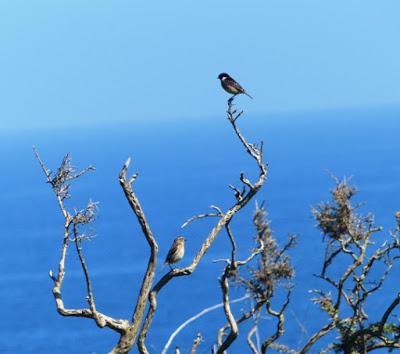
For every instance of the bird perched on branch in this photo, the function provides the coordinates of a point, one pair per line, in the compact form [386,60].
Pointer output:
[176,252]
[231,86]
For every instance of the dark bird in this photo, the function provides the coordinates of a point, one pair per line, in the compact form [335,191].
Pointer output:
[231,86]
[176,252]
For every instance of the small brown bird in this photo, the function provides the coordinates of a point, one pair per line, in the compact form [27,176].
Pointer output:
[176,252]
[231,86]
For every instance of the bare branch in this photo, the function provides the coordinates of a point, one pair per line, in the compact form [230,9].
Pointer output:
[237,193]
[383,344]
[224,220]
[323,331]
[280,325]
[389,311]
[195,317]
[233,244]
[45,170]
[99,320]
[253,254]
[251,344]
[152,262]
[196,343]
[228,312]
[254,152]
[245,316]
[245,181]
[199,216]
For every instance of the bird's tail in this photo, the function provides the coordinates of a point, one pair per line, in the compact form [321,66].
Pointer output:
[247,94]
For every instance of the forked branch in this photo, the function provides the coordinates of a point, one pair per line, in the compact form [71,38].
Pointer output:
[59,182]
[224,219]
[147,282]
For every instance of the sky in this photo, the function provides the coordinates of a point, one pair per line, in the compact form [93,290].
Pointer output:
[82,63]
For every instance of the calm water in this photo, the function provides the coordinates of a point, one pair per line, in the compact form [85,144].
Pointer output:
[184,167]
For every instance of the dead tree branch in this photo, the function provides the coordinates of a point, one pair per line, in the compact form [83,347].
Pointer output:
[147,282]
[59,182]
[195,317]
[234,332]
[250,342]
[280,323]
[224,219]
[196,343]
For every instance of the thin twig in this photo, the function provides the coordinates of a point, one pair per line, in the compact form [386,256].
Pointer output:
[250,342]
[199,216]
[195,317]
[99,320]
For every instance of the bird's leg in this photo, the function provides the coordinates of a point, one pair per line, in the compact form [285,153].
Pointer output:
[171,267]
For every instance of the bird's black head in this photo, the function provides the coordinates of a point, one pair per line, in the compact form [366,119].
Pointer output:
[222,76]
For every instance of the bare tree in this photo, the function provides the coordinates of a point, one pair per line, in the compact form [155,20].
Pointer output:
[138,325]
[265,274]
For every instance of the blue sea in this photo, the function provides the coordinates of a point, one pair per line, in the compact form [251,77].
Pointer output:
[184,167]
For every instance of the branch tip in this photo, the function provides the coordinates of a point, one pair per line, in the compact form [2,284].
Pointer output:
[51,275]
[124,169]
[133,178]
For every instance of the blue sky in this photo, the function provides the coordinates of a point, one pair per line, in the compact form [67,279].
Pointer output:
[87,62]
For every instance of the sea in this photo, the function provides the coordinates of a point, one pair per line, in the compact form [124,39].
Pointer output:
[184,166]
